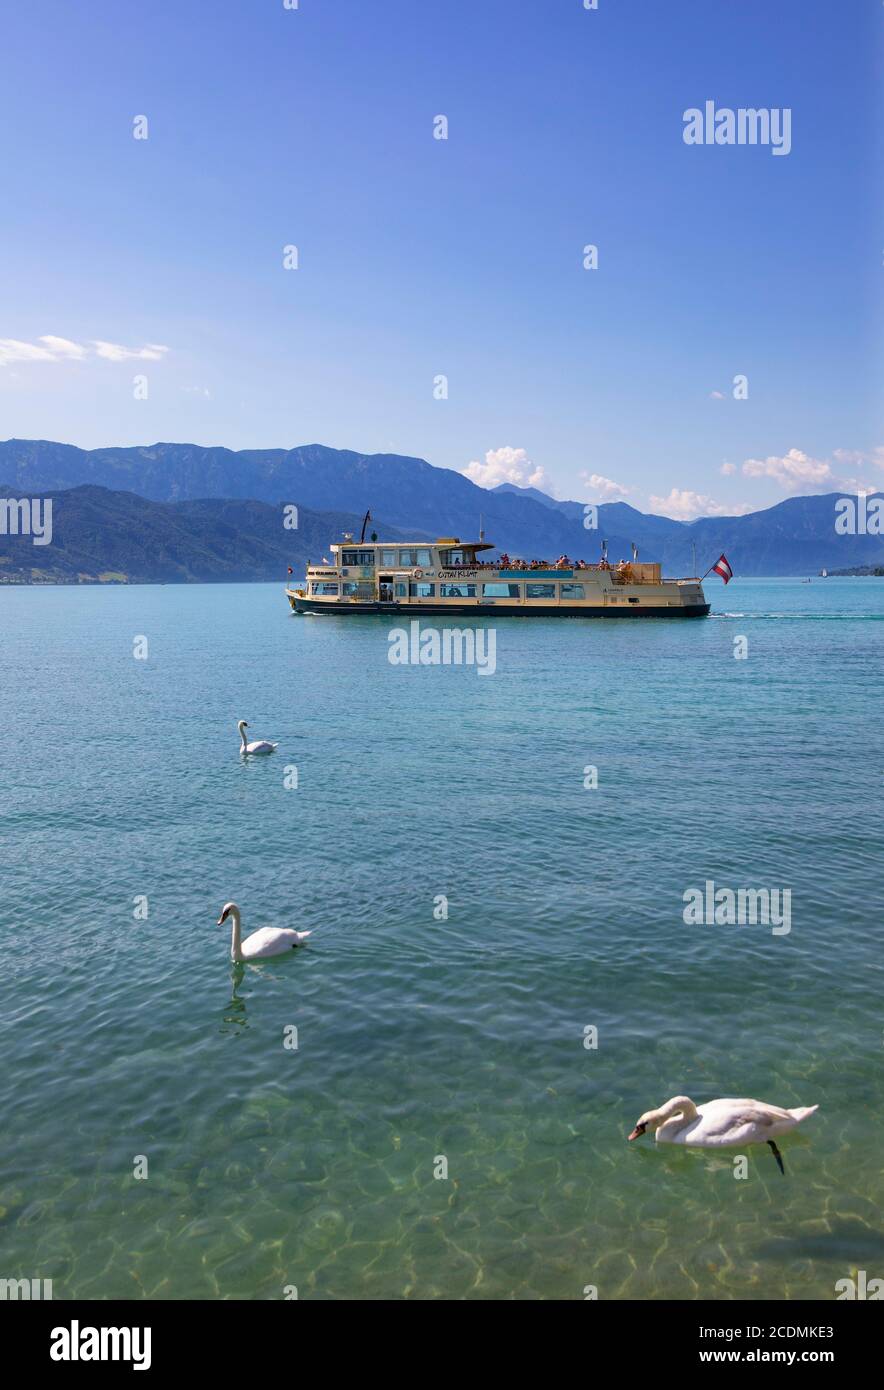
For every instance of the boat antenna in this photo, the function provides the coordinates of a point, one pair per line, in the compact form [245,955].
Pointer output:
[481,528]
[365,520]
[694,556]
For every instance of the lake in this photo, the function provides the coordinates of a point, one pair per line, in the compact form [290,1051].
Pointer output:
[411,1106]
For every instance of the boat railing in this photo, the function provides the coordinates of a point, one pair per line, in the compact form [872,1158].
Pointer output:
[622,573]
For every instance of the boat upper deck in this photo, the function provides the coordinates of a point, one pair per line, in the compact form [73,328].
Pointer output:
[450,557]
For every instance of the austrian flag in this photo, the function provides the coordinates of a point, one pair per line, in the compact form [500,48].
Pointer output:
[722,567]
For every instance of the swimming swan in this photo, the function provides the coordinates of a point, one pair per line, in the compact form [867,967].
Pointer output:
[269,941]
[260,746]
[721,1123]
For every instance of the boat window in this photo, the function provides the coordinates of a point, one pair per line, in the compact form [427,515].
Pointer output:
[388,557]
[401,588]
[633,600]
[422,590]
[457,591]
[350,557]
[500,590]
[366,557]
[540,590]
[448,558]
[325,588]
[572,591]
[420,556]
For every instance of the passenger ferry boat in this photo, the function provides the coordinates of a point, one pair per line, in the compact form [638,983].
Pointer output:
[447,576]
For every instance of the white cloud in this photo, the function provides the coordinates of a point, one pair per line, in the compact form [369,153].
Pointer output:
[794,471]
[51,348]
[11,350]
[727,469]
[506,465]
[684,505]
[857,458]
[604,487]
[153,352]
[63,347]
[716,395]
[797,472]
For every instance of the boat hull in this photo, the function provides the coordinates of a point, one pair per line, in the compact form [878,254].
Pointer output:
[301,604]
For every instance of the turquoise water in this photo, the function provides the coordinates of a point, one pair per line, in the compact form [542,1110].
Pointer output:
[422,1039]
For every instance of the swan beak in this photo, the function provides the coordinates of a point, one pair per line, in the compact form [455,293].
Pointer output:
[637,1132]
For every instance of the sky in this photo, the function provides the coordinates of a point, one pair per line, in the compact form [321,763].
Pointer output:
[723,354]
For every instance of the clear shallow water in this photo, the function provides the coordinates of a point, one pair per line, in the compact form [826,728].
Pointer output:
[417,1038]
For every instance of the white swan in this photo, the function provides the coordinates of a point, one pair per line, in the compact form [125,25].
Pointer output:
[260,746]
[269,941]
[721,1123]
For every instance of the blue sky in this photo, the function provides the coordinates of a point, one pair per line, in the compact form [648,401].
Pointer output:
[464,257]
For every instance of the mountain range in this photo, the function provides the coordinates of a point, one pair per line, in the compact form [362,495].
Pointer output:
[184,511]
[103,536]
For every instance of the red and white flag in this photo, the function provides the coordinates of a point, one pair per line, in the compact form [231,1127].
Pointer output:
[722,567]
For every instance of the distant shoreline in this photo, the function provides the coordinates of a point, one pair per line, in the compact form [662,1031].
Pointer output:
[64,582]
[96,582]
[858,572]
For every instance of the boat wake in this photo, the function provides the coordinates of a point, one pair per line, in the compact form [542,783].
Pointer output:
[804,617]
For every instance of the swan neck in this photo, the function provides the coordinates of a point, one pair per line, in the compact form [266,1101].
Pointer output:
[235,935]
[681,1108]
[242,734]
